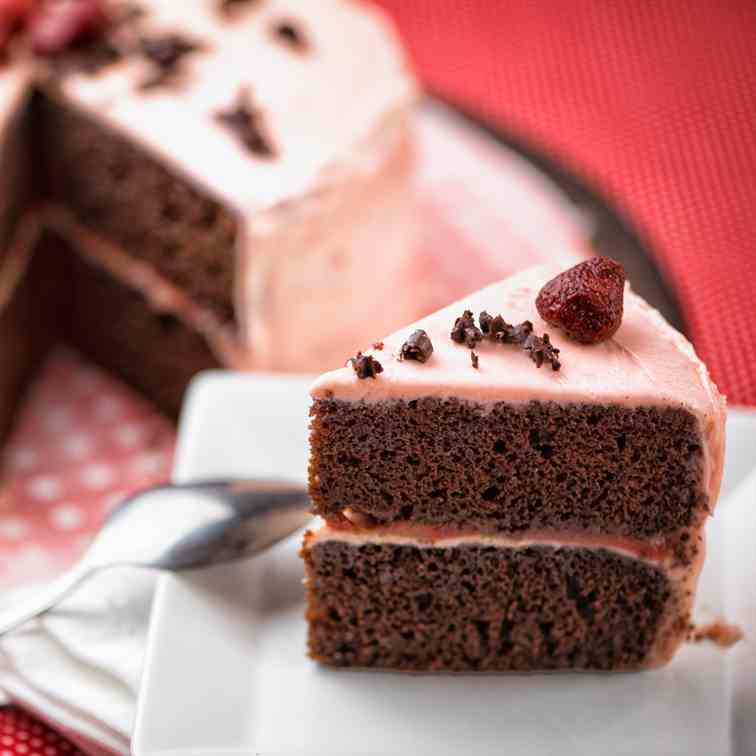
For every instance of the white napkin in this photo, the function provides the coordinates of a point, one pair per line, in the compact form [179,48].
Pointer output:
[79,667]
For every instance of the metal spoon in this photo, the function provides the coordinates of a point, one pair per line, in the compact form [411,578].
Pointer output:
[179,527]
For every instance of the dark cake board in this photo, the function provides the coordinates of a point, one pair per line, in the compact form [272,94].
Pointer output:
[240,630]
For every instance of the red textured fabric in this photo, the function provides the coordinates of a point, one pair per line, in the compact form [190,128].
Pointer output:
[22,735]
[653,102]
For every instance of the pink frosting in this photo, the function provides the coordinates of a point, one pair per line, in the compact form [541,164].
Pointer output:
[647,362]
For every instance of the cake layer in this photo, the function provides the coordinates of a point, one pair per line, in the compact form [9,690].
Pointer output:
[485,608]
[507,467]
[131,200]
[29,315]
[645,364]
[152,350]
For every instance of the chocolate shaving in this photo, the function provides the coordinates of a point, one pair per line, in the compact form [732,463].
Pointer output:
[365,366]
[418,347]
[89,57]
[290,34]
[227,7]
[165,52]
[474,360]
[378,345]
[542,350]
[245,121]
[495,328]
[465,331]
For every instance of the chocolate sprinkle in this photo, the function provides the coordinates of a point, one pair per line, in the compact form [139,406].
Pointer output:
[474,360]
[90,58]
[465,331]
[290,34]
[165,52]
[495,328]
[365,366]
[226,7]
[244,121]
[418,347]
[542,350]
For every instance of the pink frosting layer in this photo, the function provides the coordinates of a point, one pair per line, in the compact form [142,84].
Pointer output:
[647,362]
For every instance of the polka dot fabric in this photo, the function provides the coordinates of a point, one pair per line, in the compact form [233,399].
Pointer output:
[83,442]
[22,735]
[654,102]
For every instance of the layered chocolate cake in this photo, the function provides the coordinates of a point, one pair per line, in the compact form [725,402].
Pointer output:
[210,173]
[506,493]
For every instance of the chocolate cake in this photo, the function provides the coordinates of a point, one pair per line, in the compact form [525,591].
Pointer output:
[539,506]
[208,174]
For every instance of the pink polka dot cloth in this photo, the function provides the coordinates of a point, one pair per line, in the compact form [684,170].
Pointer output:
[83,442]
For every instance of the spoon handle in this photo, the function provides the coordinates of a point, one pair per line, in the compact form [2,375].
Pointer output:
[42,599]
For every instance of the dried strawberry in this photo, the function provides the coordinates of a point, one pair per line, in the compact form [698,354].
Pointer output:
[586,300]
[59,24]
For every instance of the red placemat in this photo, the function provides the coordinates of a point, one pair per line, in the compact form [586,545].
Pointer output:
[654,102]
[22,735]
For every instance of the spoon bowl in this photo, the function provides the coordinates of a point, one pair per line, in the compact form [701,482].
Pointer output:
[180,527]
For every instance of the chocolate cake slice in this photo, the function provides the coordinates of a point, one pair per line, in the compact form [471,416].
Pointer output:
[208,175]
[539,506]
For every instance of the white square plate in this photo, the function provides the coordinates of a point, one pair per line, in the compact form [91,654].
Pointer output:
[226,671]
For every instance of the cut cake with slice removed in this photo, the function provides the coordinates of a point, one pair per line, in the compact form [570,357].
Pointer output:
[504,517]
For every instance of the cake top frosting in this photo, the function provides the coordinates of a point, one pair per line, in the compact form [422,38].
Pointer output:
[645,362]
[257,100]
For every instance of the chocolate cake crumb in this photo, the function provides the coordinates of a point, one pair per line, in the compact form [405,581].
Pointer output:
[378,345]
[165,52]
[244,121]
[474,359]
[542,350]
[465,331]
[418,347]
[365,366]
[290,34]
[722,634]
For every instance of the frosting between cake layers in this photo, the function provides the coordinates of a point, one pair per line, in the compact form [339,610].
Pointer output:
[422,536]
[647,362]
[163,296]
